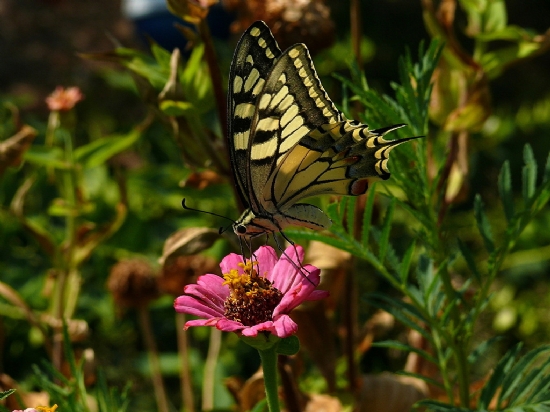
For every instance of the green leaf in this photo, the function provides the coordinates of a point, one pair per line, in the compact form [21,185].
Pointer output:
[469,258]
[176,108]
[436,406]
[505,190]
[5,394]
[429,381]
[516,375]
[529,173]
[393,344]
[261,406]
[546,176]
[289,346]
[495,17]
[46,156]
[385,235]
[196,82]
[404,312]
[497,377]
[481,349]
[99,151]
[405,264]
[367,215]
[483,224]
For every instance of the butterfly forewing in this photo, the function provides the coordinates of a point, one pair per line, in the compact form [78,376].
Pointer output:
[254,57]
[291,105]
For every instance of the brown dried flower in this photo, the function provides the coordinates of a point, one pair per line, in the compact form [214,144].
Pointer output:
[133,283]
[291,21]
[185,270]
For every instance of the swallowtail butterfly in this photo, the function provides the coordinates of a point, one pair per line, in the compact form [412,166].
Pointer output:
[288,141]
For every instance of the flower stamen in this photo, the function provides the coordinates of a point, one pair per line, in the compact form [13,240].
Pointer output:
[252,298]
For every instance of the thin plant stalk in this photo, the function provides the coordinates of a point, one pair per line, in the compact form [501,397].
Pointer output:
[210,370]
[185,375]
[152,352]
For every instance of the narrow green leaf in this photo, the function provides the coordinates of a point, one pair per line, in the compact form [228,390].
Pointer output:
[46,156]
[5,394]
[425,275]
[497,377]
[386,227]
[176,108]
[99,151]
[546,176]
[404,312]
[505,190]
[429,381]
[483,224]
[469,258]
[529,173]
[525,391]
[393,344]
[482,348]
[367,216]
[517,373]
[405,265]
[436,406]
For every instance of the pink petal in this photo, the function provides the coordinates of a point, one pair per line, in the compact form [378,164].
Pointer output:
[230,262]
[284,327]
[299,293]
[267,259]
[202,322]
[285,273]
[227,325]
[214,283]
[252,331]
[206,295]
[193,306]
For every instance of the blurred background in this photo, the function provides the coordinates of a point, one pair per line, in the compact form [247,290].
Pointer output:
[48,43]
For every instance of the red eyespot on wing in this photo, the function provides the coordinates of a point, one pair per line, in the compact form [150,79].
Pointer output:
[359,187]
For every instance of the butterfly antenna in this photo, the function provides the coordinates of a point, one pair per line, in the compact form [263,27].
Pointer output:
[208,213]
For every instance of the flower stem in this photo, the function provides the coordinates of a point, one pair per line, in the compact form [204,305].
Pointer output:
[269,365]
[210,370]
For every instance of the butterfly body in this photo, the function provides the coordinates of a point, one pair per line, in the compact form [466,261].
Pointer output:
[288,141]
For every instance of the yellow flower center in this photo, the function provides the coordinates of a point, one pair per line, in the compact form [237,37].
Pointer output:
[252,298]
[46,408]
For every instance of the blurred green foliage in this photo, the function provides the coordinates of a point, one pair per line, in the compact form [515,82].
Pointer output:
[466,208]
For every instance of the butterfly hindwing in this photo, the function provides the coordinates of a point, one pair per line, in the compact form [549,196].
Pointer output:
[254,57]
[335,159]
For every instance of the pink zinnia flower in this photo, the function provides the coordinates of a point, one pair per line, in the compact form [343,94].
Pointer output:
[255,296]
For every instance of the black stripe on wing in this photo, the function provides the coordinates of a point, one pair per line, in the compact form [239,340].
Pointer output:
[254,57]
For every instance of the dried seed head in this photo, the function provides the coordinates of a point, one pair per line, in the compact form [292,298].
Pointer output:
[133,283]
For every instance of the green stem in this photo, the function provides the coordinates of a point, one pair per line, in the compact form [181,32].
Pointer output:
[210,369]
[269,365]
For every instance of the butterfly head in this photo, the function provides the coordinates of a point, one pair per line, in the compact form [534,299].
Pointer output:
[251,224]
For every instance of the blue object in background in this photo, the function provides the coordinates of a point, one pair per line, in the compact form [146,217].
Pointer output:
[152,19]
